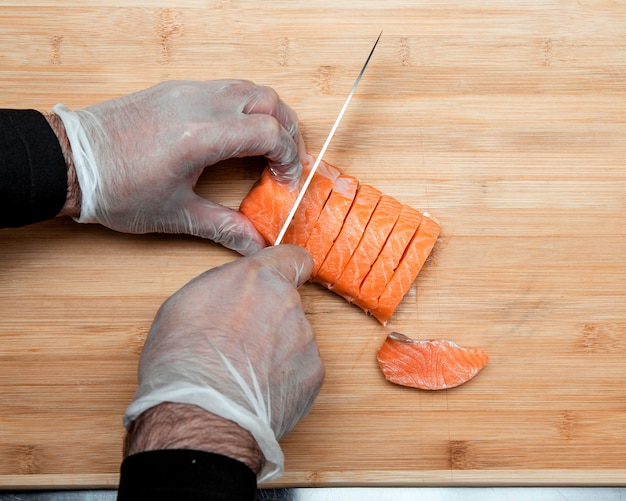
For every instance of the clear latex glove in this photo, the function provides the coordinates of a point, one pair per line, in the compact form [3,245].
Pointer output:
[235,341]
[138,157]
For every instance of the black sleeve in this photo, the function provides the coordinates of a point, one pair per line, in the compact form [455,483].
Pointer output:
[185,475]
[33,174]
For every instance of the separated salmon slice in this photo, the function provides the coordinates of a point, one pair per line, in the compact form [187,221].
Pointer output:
[372,241]
[405,274]
[434,364]
[331,219]
[311,206]
[362,208]
[387,261]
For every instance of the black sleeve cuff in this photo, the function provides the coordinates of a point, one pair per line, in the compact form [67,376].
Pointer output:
[33,174]
[185,475]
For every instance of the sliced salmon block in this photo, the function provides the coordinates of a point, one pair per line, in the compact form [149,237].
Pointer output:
[370,260]
[387,261]
[311,206]
[331,219]
[405,274]
[362,208]
[374,237]
[434,364]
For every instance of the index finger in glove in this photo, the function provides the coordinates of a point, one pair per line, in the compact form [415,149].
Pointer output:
[291,262]
[253,99]
[266,101]
[262,134]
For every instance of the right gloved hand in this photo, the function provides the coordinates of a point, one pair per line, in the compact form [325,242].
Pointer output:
[138,157]
[235,342]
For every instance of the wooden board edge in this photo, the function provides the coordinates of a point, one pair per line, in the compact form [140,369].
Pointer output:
[455,478]
[59,482]
[428,478]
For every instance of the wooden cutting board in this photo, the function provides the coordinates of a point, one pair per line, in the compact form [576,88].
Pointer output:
[506,120]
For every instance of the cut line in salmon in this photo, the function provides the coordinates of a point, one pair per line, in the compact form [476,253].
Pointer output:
[331,219]
[311,206]
[362,208]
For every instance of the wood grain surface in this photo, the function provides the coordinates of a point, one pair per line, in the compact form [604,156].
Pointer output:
[503,119]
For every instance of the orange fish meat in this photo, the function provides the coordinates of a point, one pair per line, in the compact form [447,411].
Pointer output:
[434,364]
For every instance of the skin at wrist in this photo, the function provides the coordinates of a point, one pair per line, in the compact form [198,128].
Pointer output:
[71,208]
[184,426]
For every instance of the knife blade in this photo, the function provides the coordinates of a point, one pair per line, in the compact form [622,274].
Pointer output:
[318,160]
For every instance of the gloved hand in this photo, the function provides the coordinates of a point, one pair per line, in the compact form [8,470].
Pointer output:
[138,157]
[235,341]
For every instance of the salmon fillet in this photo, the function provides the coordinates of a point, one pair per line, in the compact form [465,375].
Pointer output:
[331,219]
[405,274]
[362,208]
[434,364]
[366,246]
[389,258]
[374,237]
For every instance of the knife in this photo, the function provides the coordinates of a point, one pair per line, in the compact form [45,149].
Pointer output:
[323,150]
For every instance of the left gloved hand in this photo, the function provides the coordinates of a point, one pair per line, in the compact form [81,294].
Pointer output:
[138,157]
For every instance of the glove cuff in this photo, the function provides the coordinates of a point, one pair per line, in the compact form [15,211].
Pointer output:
[212,401]
[84,162]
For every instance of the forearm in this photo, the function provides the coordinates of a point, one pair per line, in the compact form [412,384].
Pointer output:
[180,451]
[71,207]
[183,426]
